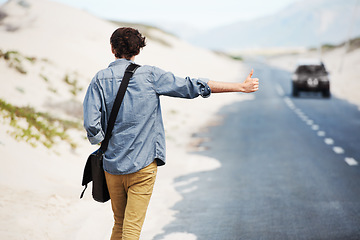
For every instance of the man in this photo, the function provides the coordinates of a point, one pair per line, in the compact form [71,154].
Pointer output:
[137,145]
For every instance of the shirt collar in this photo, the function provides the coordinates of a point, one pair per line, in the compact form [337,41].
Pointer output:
[120,61]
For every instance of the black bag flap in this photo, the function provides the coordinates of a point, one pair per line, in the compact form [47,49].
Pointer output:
[87,176]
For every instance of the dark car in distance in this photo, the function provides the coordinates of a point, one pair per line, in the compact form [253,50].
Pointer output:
[311,76]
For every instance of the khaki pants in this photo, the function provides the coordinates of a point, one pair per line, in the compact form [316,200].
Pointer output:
[130,195]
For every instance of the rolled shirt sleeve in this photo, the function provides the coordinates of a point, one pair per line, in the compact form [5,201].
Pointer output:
[205,90]
[92,114]
[166,83]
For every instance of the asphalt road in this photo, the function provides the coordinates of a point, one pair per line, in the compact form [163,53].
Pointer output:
[290,169]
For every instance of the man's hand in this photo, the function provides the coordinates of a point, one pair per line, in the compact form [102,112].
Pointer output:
[250,84]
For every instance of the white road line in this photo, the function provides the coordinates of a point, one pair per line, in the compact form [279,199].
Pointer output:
[279,90]
[328,141]
[309,122]
[298,111]
[303,117]
[351,161]
[300,114]
[321,133]
[290,104]
[315,127]
[338,150]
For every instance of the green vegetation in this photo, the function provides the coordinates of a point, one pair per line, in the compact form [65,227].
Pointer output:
[232,56]
[325,47]
[328,47]
[27,124]
[353,45]
[238,58]
[46,79]
[36,127]
[53,90]
[20,89]
[14,60]
[174,112]
[74,85]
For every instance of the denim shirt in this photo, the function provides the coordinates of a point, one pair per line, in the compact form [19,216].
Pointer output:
[138,137]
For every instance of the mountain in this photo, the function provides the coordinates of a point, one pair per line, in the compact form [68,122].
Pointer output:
[305,23]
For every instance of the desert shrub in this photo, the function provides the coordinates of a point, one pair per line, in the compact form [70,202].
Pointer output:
[36,127]
[74,85]
[238,58]
[327,47]
[46,79]
[14,60]
[354,44]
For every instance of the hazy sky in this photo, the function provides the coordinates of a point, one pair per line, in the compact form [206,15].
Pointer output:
[197,13]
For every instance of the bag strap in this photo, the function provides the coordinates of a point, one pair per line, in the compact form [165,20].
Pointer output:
[130,70]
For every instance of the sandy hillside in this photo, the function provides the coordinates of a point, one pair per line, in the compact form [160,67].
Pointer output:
[49,53]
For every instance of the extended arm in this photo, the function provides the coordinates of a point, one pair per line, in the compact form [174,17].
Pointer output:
[248,86]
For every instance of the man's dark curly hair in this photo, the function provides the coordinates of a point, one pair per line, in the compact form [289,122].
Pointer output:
[126,42]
